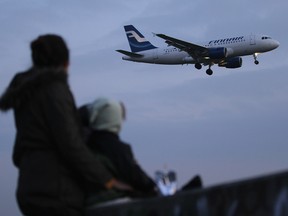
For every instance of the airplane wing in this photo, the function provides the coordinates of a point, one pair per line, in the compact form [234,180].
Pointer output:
[196,51]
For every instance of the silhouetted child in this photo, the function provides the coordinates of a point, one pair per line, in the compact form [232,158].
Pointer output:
[104,118]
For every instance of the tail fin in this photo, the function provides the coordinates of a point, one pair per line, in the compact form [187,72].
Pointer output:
[136,40]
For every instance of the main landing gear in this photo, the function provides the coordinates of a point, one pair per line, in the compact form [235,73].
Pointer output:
[198,66]
[255,59]
[208,71]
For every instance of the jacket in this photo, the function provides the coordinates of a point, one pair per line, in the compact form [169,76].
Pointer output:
[108,144]
[49,150]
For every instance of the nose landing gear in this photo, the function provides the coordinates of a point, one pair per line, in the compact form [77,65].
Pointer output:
[255,59]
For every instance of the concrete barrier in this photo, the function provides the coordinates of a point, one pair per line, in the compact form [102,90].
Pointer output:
[261,196]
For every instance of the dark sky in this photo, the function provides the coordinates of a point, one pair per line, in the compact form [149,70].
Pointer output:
[225,127]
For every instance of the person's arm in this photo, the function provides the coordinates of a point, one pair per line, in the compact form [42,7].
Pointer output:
[134,173]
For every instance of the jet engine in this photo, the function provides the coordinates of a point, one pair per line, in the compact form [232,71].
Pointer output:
[217,53]
[235,62]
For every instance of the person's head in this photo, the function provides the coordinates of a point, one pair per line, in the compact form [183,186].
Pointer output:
[103,115]
[49,51]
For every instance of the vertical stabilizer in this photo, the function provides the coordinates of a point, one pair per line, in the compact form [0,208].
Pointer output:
[136,40]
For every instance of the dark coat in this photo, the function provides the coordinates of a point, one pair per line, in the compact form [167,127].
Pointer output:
[49,151]
[120,154]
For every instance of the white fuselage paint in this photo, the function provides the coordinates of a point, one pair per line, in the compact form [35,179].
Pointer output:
[237,46]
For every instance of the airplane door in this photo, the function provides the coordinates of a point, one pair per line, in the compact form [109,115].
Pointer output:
[155,54]
[252,40]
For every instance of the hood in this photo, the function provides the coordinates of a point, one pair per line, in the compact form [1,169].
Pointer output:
[105,114]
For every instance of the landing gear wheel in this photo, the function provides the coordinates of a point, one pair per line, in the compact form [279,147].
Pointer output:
[198,66]
[209,72]
[255,59]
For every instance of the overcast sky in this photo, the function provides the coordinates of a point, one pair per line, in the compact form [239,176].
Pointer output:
[225,127]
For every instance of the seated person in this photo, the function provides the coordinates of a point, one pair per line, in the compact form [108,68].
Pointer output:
[104,118]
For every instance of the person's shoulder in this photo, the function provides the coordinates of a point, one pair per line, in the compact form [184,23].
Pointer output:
[125,145]
[13,92]
[120,142]
[19,79]
[39,78]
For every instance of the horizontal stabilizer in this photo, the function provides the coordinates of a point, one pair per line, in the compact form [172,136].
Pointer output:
[131,54]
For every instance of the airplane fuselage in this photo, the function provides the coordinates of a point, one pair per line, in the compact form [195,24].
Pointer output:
[236,46]
[226,52]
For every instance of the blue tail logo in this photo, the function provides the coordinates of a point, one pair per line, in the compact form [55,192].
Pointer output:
[136,40]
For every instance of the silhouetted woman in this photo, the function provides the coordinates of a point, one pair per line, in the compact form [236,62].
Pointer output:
[49,151]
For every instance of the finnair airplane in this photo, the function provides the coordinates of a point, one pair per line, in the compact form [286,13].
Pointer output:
[225,52]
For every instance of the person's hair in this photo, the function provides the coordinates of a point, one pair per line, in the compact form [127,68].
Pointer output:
[49,51]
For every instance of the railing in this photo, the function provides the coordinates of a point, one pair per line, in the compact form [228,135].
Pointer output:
[261,196]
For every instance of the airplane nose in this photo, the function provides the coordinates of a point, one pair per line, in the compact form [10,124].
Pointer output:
[276,44]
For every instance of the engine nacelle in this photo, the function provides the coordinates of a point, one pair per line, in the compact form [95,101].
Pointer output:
[235,62]
[217,53]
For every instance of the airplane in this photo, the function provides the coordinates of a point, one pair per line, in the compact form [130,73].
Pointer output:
[225,52]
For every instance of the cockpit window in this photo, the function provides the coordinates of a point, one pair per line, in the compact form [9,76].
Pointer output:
[265,38]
